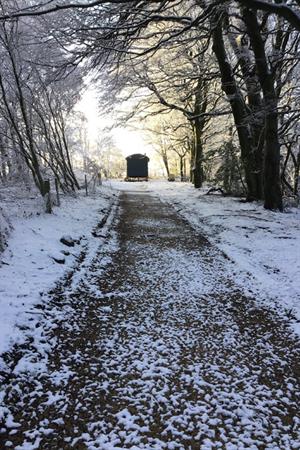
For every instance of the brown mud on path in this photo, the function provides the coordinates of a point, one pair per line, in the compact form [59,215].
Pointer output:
[152,346]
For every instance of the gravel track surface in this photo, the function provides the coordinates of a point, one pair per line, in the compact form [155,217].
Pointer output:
[152,346]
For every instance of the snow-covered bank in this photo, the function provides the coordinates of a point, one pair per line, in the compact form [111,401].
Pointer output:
[28,268]
[264,244]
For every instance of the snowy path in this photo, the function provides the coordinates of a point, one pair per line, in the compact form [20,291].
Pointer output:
[153,347]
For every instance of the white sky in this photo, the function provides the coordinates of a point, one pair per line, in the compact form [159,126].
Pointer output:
[128,141]
[88,106]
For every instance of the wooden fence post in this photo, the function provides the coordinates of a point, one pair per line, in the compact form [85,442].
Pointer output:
[57,192]
[86,185]
[47,197]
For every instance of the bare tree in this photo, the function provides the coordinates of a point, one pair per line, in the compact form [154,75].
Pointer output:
[134,35]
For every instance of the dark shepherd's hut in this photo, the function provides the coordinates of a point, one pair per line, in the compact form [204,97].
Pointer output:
[137,167]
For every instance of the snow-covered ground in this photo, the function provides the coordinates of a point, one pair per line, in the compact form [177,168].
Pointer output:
[27,266]
[264,245]
[152,346]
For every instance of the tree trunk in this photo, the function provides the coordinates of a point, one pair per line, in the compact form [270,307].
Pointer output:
[47,196]
[3,159]
[253,90]
[181,168]
[199,124]
[192,157]
[271,169]
[166,164]
[198,156]
[239,112]
[297,174]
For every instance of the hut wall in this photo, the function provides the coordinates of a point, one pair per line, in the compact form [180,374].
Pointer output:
[137,167]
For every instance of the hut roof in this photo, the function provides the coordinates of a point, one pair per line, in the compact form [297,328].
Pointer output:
[138,156]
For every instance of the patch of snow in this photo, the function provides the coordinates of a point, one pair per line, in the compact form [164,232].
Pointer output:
[34,245]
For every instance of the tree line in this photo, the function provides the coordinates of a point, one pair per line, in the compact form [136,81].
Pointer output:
[228,69]
[38,91]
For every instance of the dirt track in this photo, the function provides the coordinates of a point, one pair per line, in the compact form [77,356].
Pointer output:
[153,346]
